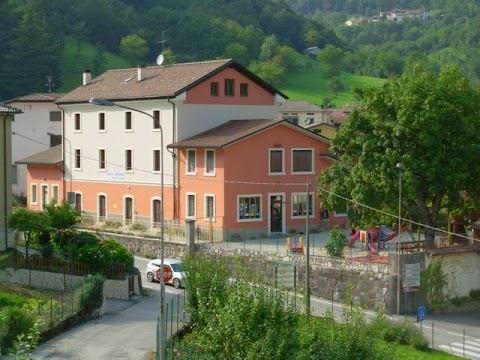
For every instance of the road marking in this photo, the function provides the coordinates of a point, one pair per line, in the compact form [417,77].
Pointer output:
[471,348]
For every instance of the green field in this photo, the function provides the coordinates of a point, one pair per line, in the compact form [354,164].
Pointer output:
[313,87]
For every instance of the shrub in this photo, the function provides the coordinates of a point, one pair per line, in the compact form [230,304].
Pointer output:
[96,256]
[118,253]
[475,294]
[138,226]
[14,322]
[458,300]
[336,243]
[90,294]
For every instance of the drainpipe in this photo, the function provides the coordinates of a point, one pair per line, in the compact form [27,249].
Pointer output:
[5,179]
[175,164]
[64,182]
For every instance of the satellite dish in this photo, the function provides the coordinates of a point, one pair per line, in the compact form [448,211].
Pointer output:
[160,59]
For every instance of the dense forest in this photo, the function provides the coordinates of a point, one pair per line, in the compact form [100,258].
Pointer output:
[264,35]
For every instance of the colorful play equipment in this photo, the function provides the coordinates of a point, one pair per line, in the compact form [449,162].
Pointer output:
[372,238]
[296,247]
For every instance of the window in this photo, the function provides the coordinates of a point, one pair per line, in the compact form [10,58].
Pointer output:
[14,174]
[229,87]
[276,162]
[302,161]
[44,192]
[190,206]
[191,162]
[209,162]
[55,140]
[33,193]
[78,158]
[291,119]
[299,205]
[55,194]
[128,120]
[156,119]
[209,206]
[156,160]
[249,207]
[243,89]
[77,123]
[214,88]
[55,116]
[101,122]
[102,165]
[128,160]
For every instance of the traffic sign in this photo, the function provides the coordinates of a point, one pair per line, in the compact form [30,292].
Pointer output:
[167,274]
[421,313]
[411,275]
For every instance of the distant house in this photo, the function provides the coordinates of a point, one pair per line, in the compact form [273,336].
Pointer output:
[7,116]
[312,51]
[327,130]
[303,113]
[399,14]
[39,116]
[356,21]
[338,116]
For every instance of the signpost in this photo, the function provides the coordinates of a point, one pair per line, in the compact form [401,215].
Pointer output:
[167,274]
[411,277]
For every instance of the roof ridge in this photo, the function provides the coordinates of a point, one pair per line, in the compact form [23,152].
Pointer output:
[172,65]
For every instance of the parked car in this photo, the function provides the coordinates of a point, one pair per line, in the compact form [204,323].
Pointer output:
[175,266]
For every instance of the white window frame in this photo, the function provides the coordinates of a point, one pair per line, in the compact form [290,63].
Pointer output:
[160,160]
[33,194]
[269,162]
[292,210]
[312,171]
[259,218]
[105,159]
[125,160]
[187,162]
[187,206]
[104,122]
[79,156]
[205,207]
[75,116]
[205,172]
[337,215]
[47,196]
[55,194]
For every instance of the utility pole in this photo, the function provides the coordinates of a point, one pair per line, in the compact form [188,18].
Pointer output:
[307,236]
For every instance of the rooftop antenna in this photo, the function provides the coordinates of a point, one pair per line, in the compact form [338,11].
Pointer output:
[49,83]
[161,58]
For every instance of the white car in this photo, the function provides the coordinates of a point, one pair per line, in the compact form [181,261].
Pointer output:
[174,266]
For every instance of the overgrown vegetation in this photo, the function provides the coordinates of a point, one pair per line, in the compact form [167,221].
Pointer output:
[433,282]
[336,243]
[234,319]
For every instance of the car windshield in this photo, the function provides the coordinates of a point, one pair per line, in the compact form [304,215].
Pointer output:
[177,267]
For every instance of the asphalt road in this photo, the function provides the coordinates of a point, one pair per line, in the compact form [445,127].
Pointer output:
[128,330]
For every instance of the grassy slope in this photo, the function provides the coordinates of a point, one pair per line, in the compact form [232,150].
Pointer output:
[307,85]
[75,59]
[313,87]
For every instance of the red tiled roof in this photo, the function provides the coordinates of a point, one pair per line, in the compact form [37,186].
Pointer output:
[158,81]
[36,97]
[233,131]
[51,156]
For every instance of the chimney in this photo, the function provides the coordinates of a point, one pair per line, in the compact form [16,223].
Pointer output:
[140,72]
[87,77]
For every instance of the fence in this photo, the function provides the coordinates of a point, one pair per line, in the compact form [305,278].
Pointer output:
[18,260]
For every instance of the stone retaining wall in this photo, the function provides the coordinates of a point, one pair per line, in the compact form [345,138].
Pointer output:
[116,289]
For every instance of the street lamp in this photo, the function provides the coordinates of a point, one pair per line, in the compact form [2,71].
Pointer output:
[399,167]
[162,332]
[70,150]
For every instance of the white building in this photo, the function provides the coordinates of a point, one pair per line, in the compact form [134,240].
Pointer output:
[39,116]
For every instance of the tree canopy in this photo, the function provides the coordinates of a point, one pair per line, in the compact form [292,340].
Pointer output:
[425,121]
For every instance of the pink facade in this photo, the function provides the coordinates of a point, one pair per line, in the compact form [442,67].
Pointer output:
[242,172]
[43,183]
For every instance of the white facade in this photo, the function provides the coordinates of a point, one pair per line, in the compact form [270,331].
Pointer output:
[30,136]
[142,139]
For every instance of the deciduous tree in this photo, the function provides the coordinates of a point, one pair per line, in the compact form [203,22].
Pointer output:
[428,122]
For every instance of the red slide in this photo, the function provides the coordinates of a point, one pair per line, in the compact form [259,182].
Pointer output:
[353,238]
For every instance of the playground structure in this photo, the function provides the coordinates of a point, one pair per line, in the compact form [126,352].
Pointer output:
[296,248]
[374,238]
